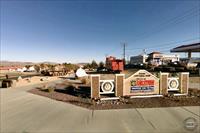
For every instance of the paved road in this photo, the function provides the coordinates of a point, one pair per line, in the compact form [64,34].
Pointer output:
[24,112]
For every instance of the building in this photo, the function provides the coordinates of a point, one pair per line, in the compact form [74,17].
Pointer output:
[157,58]
[170,58]
[19,70]
[10,68]
[31,69]
[137,60]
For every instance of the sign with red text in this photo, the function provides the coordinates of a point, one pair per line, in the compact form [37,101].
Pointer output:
[141,83]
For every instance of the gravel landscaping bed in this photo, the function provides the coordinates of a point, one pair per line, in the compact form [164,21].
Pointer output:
[69,96]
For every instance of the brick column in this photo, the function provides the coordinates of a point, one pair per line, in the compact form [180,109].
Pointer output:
[163,83]
[184,82]
[95,86]
[119,84]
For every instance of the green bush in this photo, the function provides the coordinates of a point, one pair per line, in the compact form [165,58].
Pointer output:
[174,74]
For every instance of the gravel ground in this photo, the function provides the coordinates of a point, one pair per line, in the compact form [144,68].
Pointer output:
[69,96]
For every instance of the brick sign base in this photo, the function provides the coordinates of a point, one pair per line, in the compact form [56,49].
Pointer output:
[141,83]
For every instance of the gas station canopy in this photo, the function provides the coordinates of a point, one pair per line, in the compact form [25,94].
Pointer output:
[195,47]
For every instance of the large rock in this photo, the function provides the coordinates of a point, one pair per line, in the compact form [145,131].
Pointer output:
[81,73]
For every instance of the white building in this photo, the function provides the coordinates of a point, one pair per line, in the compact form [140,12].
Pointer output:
[140,59]
[157,58]
[24,69]
[171,58]
[19,70]
[154,58]
[31,69]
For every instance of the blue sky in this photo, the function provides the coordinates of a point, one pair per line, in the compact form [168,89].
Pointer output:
[80,31]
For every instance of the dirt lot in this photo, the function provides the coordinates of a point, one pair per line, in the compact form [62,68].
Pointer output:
[69,96]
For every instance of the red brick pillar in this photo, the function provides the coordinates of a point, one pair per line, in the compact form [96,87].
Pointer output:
[184,82]
[95,86]
[163,83]
[119,85]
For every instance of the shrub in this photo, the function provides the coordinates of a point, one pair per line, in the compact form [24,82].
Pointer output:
[50,89]
[174,74]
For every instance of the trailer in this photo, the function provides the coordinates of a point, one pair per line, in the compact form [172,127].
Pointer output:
[114,65]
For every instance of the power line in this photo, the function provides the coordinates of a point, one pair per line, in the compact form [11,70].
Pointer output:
[175,20]
[163,28]
[167,44]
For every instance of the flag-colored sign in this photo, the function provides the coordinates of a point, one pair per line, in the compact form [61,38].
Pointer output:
[142,86]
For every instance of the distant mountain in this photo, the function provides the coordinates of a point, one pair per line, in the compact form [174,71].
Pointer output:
[47,62]
[81,64]
[21,63]
[15,63]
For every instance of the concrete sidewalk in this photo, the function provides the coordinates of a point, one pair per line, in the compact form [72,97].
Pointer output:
[25,112]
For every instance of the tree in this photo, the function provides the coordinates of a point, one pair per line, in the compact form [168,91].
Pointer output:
[27,66]
[69,66]
[87,66]
[37,68]
[42,65]
[94,64]
[51,67]
[101,65]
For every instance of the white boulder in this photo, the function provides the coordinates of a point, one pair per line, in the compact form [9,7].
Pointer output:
[81,73]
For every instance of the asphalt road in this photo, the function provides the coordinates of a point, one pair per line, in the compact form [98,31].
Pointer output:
[25,112]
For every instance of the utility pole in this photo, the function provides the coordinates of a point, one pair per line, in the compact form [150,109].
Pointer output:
[124,51]
[144,51]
